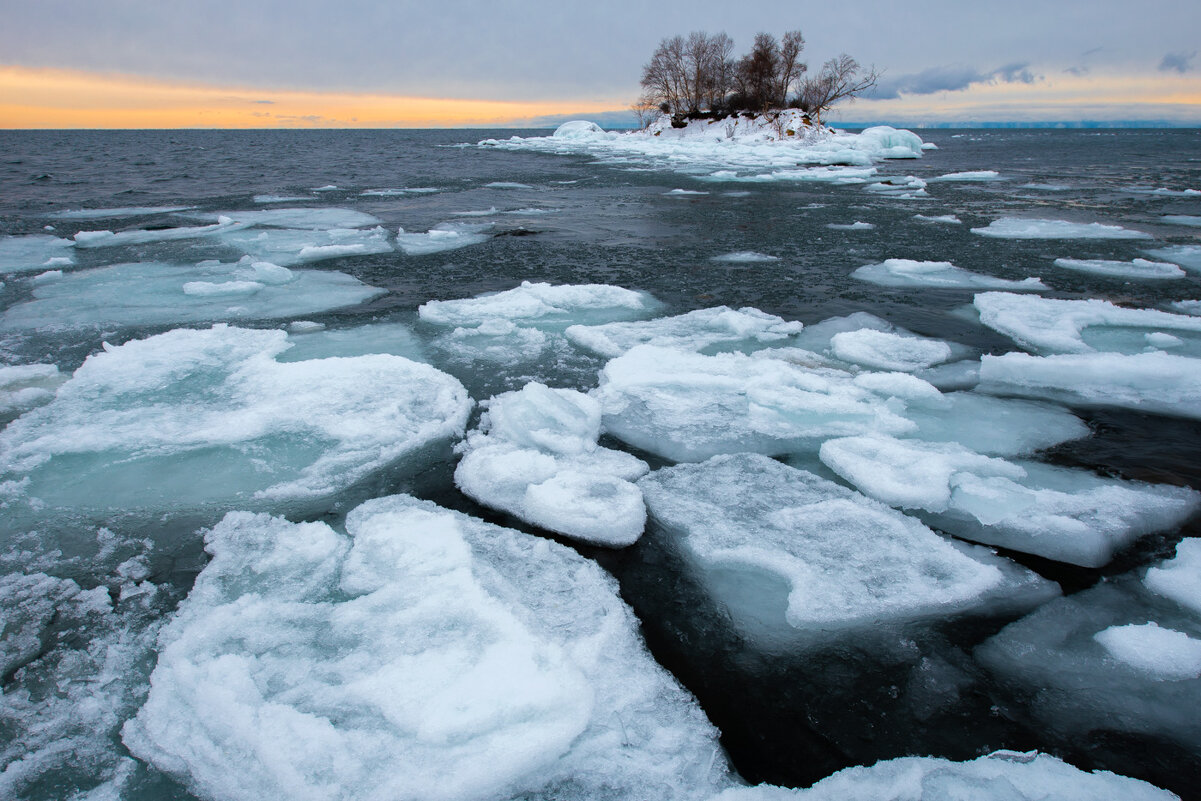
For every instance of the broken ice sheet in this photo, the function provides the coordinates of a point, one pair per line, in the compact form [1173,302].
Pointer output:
[201,419]
[429,655]
[1021,228]
[152,293]
[287,247]
[792,555]
[717,328]
[535,456]
[937,275]
[38,252]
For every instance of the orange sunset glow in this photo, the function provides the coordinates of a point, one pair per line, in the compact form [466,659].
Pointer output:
[43,98]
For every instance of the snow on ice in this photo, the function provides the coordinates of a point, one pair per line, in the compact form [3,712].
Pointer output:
[937,275]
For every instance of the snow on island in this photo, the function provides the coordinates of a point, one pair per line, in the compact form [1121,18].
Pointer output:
[778,145]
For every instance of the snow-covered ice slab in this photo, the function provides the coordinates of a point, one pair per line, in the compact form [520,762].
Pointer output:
[883,350]
[745,257]
[154,294]
[731,329]
[1179,578]
[1049,325]
[1014,427]
[290,246]
[946,219]
[138,236]
[858,225]
[535,456]
[1088,664]
[25,386]
[1159,383]
[1063,514]
[937,275]
[791,554]
[968,176]
[1137,268]
[20,254]
[1187,256]
[313,219]
[196,419]
[428,655]
[442,237]
[820,338]
[1022,228]
[687,406]
[123,211]
[541,305]
[999,776]
[1190,220]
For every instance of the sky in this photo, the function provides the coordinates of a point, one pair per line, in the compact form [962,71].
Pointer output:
[385,63]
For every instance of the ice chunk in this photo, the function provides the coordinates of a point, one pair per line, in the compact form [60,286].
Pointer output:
[1021,228]
[970,175]
[1049,325]
[696,330]
[580,129]
[192,419]
[999,776]
[1159,383]
[507,185]
[427,655]
[882,350]
[1072,684]
[314,219]
[286,246]
[540,304]
[990,425]
[1187,256]
[280,198]
[745,257]
[442,237]
[1179,578]
[855,226]
[949,219]
[125,211]
[1182,219]
[688,407]
[137,236]
[24,386]
[770,540]
[154,294]
[936,275]
[1138,268]
[415,190]
[1067,515]
[535,455]
[905,187]
[20,254]
[1164,654]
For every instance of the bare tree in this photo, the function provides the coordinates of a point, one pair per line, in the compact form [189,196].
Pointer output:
[840,78]
[690,74]
[789,69]
[756,75]
[663,76]
[645,108]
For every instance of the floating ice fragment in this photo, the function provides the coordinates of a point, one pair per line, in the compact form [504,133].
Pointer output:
[999,776]
[154,294]
[442,237]
[855,226]
[1138,268]
[35,252]
[970,175]
[488,212]
[430,656]
[1164,654]
[937,275]
[535,456]
[745,257]
[1187,256]
[126,211]
[195,419]
[786,551]
[1182,219]
[685,192]
[311,340]
[280,198]
[688,407]
[314,219]
[285,246]
[104,239]
[506,185]
[949,219]
[696,330]
[1179,578]
[1049,325]
[25,386]
[1015,427]
[540,304]
[1021,228]
[882,350]
[416,190]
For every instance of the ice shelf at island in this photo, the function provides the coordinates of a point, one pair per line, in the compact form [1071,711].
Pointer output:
[430,656]
[774,146]
[792,555]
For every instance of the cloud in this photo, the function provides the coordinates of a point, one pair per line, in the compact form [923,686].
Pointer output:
[1177,62]
[951,78]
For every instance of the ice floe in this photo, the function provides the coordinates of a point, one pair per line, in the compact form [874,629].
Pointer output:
[969,175]
[1182,219]
[687,406]
[416,190]
[535,456]
[313,219]
[428,655]
[721,326]
[791,554]
[745,257]
[1022,228]
[442,237]
[148,293]
[287,247]
[935,275]
[194,419]
[507,185]
[1187,256]
[24,386]
[999,776]
[1138,268]
[1049,325]
[1161,653]
[138,236]
[540,303]
[855,226]
[124,211]
[883,350]
[1179,578]
[265,199]
[948,219]
[314,341]
[20,254]
[1063,514]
